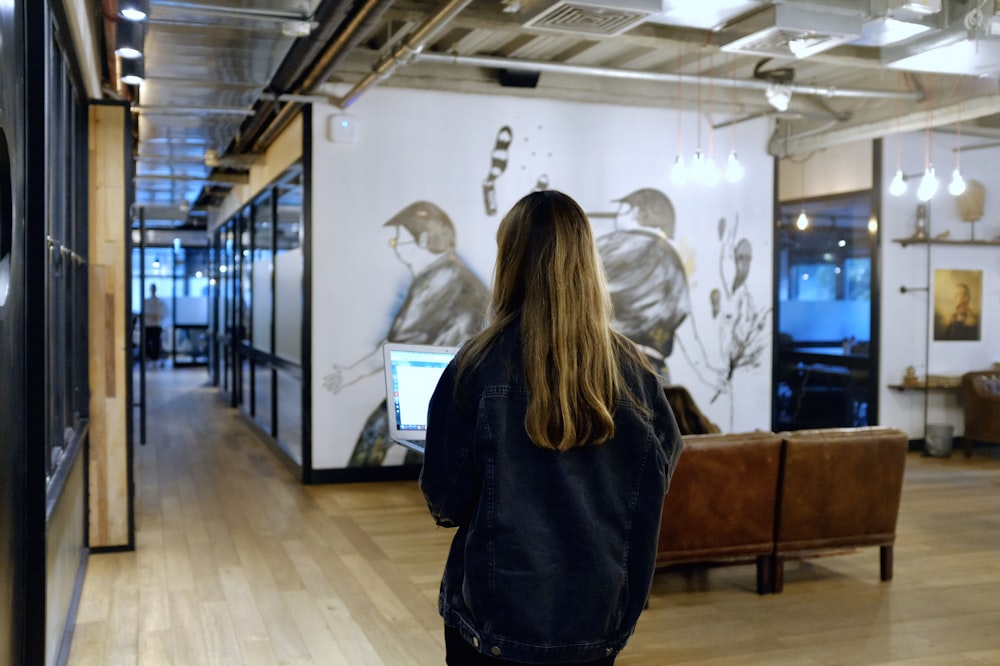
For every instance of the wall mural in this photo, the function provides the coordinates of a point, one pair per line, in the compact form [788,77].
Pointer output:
[446,304]
[744,329]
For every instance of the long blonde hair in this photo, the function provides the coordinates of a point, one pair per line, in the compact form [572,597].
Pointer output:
[548,275]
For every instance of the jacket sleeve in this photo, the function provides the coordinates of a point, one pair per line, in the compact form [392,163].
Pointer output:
[665,426]
[448,478]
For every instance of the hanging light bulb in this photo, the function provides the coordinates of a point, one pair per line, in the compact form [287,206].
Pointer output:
[734,170]
[928,185]
[711,175]
[897,187]
[802,222]
[698,167]
[957,184]
[679,172]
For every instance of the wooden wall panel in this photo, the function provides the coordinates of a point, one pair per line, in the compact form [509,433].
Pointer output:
[109,498]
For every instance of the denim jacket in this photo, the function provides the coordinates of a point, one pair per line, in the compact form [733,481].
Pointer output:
[554,554]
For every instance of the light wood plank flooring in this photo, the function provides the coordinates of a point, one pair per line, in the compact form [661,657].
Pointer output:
[238,563]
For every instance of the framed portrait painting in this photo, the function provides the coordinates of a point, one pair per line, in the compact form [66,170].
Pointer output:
[958,304]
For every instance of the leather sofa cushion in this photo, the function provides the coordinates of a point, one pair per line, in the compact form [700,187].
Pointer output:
[721,499]
[840,487]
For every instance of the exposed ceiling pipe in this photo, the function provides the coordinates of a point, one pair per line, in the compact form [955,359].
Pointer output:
[320,68]
[416,41]
[330,16]
[965,111]
[81,25]
[244,13]
[663,77]
[412,46]
[193,110]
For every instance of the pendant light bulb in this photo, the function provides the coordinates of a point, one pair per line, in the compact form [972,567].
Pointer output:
[734,170]
[957,184]
[897,187]
[679,172]
[928,185]
[698,167]
[712,174]
[802,222]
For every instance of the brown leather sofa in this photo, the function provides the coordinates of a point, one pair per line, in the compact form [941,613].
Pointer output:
[839,487]
[981,403]
[720,506]
[762,496]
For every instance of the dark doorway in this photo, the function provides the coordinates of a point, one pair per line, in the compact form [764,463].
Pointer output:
[826,305]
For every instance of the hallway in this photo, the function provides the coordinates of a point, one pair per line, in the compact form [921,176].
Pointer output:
[236,562]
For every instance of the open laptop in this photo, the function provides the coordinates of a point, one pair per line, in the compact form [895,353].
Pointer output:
[411,374]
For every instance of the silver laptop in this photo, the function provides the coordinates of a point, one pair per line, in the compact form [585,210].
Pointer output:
[411,375]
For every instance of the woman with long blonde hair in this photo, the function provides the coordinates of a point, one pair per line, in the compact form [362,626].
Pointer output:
[549,446]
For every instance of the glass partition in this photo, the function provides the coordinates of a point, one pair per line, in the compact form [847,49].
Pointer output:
[260,275]
[288,311]
[824,361]
[288,266]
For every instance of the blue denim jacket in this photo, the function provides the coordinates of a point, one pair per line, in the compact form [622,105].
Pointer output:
[555,551]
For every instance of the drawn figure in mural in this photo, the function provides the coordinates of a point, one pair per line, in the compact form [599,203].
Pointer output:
[445,305]
[498,164]
[648,285]
[743,328]
[963,323]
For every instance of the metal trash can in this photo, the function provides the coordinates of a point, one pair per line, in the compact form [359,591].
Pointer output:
[938,438]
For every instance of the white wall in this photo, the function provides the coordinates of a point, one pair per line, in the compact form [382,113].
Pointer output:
[906,325]
[417,145]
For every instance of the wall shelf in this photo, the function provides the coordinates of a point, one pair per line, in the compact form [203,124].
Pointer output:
[925,387]
[944,241]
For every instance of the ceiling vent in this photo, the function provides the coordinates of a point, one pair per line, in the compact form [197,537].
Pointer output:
[792,31]
[601,18]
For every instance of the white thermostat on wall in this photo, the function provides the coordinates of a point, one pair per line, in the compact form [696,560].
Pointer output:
[342,128]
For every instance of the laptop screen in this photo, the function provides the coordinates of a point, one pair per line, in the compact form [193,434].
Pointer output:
[411,375]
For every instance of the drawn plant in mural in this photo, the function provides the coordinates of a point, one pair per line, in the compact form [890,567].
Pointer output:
[445,304]
[744,329]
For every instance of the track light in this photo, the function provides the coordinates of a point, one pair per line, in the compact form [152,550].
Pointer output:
[778,95]
[802,222]
[133,10]
[128,39]
[133,72]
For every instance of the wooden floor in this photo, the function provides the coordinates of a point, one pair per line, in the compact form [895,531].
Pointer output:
[237,563]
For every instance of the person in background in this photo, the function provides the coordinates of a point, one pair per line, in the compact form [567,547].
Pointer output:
[154,314]
[550,445]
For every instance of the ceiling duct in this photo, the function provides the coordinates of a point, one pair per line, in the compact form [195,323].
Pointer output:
[792,31]
[601,18]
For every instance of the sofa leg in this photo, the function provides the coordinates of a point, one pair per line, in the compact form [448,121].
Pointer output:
[777,574]
[765,571]
[885,562]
